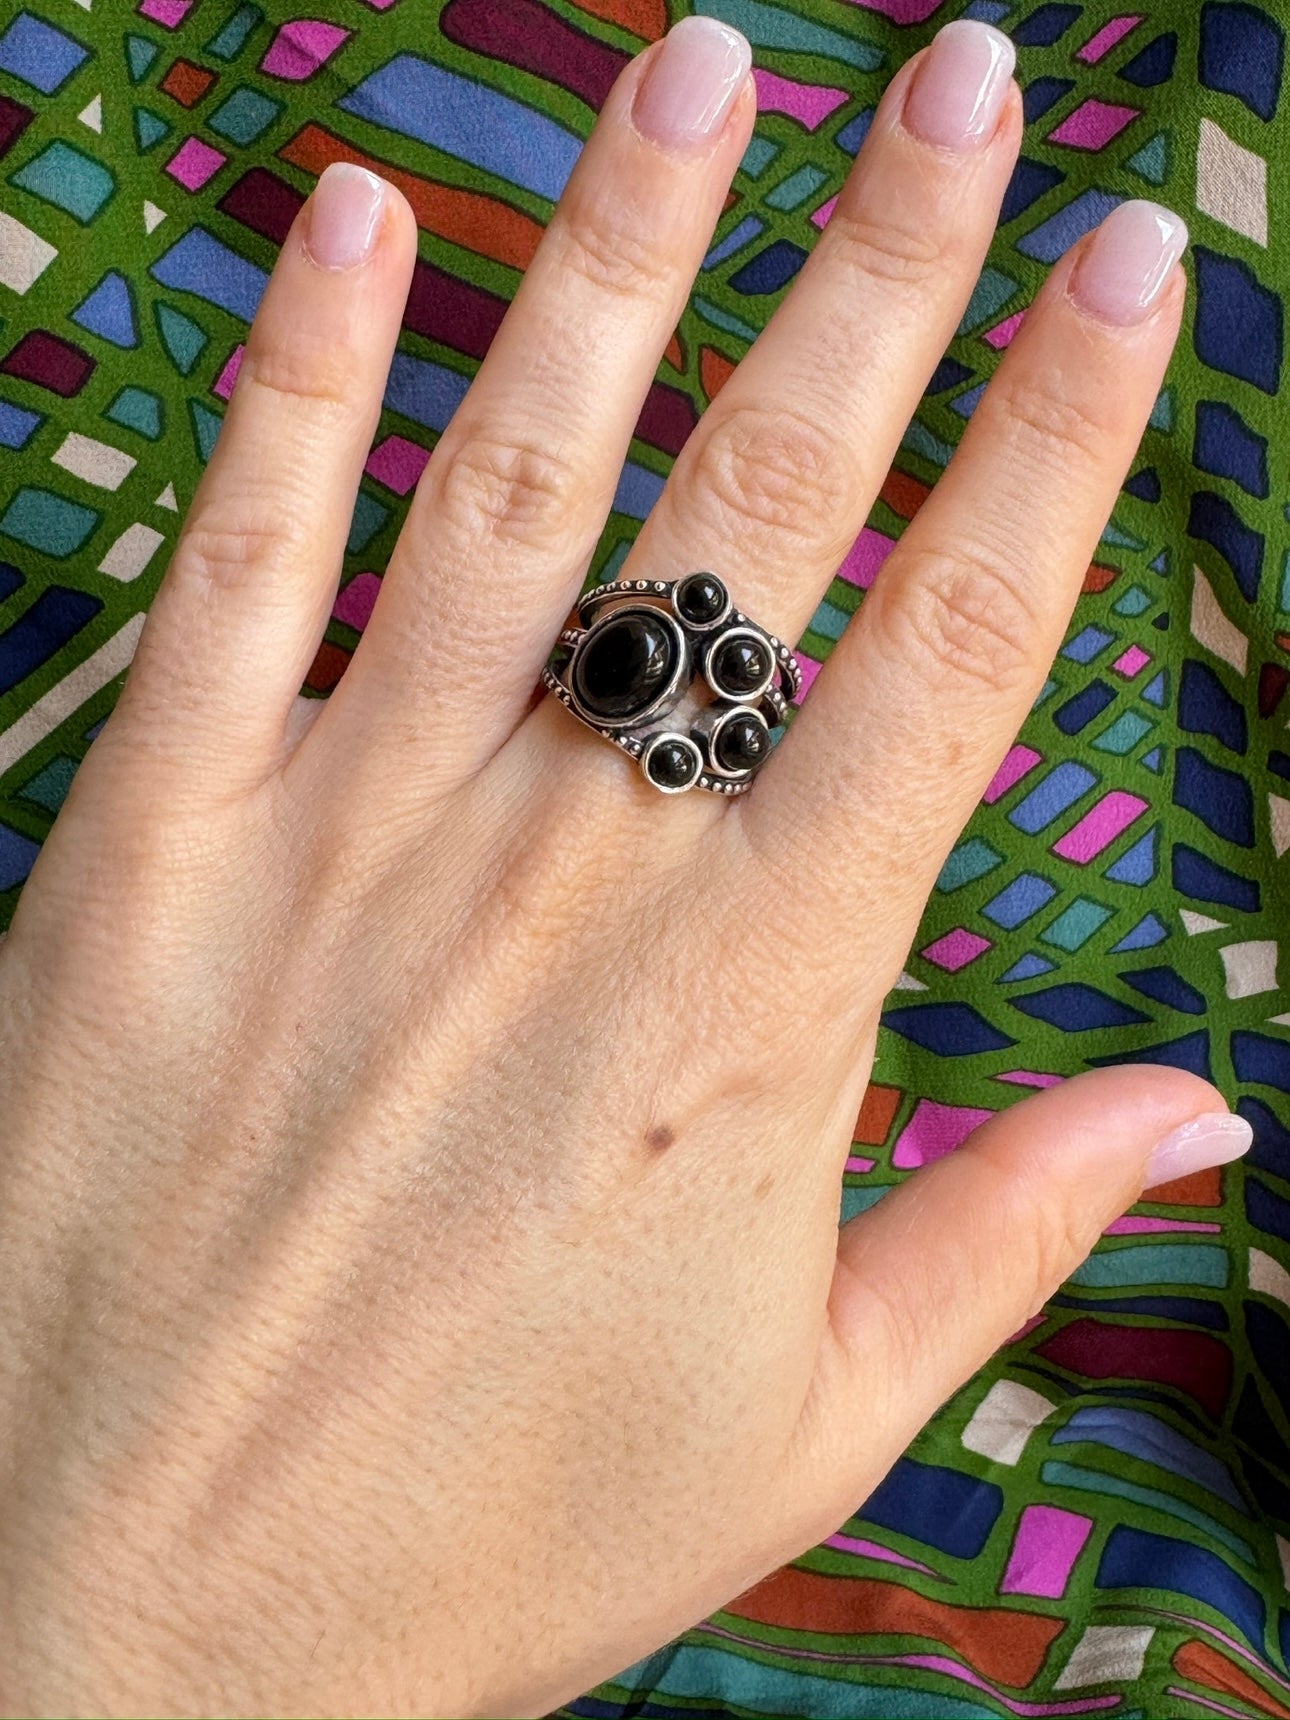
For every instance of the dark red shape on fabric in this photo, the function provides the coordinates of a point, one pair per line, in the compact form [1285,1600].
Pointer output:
[1194,1362]
[50,362]
[263,202]
[1273,681]
[667,418]
[328,666]
[523,33]
[14,120]
[452,311]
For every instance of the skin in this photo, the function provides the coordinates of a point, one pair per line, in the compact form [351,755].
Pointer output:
[424,1290]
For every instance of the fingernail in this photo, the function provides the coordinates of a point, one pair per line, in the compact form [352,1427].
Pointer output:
[690,85]
[1126,263]
[959,89]
[344,215]
[1214,1139]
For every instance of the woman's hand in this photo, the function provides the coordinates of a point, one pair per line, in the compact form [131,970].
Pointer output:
[419,1193]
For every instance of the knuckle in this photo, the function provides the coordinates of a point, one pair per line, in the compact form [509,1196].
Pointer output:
[887,249]
[302,374]
[607,253]
[238,545]
[776,470]
[508,489]
[1049,430]
[970,620]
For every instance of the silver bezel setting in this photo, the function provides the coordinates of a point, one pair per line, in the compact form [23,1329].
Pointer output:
[714,763]
[686,741]
[740,632]
[667,695]
[717,620]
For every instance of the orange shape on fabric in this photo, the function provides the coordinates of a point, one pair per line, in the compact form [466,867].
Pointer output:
[904,495]
[1203,1664]
[675,354]
[187,83]
[877,1113]
[715,370]
[1008,1647]
[1201,1188]
[478,223]
[1100,577]
[647,18]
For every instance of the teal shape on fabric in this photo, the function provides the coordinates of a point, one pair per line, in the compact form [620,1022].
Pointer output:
[723,320]
[1133,602]
[139,55]
[47,522]
[1072,928]
[109,311]
[149,128]
[796,188]
[1145,936]
[369,516]
[48,788]
[206,428]
[859,1197]
[1283,600]
[1097,1481]
[921,441]
[829,621]
[67,178]
[1124,733]
[759,1688]
[991,293]
[137,409]
[1151,162]
[1118,538]
[1162,413]
[970,860]
[244,115]
[181,337]
[229,40]
[758,156]
[778,27]
[1155,1263]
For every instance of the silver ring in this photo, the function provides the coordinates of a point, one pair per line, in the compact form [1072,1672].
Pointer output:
[678,678]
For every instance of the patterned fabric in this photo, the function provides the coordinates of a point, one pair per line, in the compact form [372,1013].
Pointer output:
[1100,1522]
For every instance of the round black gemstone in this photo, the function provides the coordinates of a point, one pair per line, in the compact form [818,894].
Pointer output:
[700,598]
[671,764]
[742,742]
[739,665]
[625,664]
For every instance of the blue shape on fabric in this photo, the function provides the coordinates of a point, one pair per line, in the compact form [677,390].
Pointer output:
[1042,94]
[1060,789]
[638,490]
[1238,326]
[948,1029]
[423,391]
[1264,1061]
[1226,446]
[17,857]
[1205,707]
[1279,764]
[770,269]
[1144,486]
[854,132]
[1271,1149]
[1136,1559]
[1045,25]
[942,1508]
[1187,1308]
[1153,64]
[1030,181]
[1190,1052]
[1029,967]
[1087,644]
[1165,986]
[1241,53]
[469,121]
[201,264]
[1145,935]
[1051,238]
[11,579]
[1137,865]
[16,424]
[109,311]
[1079,711]
[1077,1008]
[39,55]
[1221,799]
[1154,694]
[1265,1210]
[1206,881]
[949,373]
[1138,1433]
[1215,521]
[735,240]
[56,616]
[1025,896]
[1269,1340]
[966,404]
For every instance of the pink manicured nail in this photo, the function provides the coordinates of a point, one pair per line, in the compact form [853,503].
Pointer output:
[691,84]
[1214,1139]
[1126,263]
[344,215]
[959,90]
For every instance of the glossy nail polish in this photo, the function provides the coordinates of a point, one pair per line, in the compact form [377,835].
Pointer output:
[344,216]
[691,84]
[1122,271]
[959,88]
[1214,1139]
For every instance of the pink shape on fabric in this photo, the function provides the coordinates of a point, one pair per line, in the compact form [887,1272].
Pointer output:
[194,162]
[1048,1542]
[355,603]
[872,1550]
[956,949]
[810,103]
[300,47]
[1093,124]
[397,463]
[1001,334]
[935,1130]
[1019,760]
[380,5]
[1134,660]
[865,557]
[168,13]
[810,669]
[1030,1078]
[1100,826]
[223,383]
[901,11]
[1131,1225]
[1107,37]
[821,215]
[860,1164]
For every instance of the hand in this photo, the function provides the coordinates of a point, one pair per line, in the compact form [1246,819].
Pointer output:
[419,1196]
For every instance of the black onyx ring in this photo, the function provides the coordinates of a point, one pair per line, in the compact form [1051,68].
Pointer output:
[671,672]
